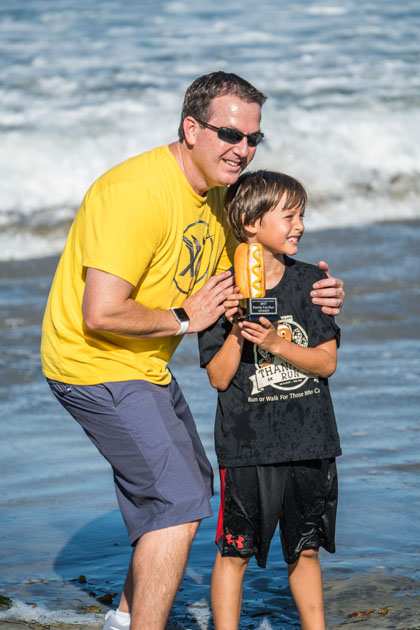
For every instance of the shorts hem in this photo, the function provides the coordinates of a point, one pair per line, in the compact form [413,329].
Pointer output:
[316,546]
[170,521]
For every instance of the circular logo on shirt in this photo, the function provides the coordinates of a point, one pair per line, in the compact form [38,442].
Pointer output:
[272,371]
[194,259]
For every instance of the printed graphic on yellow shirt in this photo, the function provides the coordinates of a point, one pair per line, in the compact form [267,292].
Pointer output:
[272,371]
[197,245]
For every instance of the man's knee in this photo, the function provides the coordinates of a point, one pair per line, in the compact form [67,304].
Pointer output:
[192,528]
[183,531]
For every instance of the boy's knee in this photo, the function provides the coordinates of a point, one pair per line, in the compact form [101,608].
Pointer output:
[234,563]
[310,553]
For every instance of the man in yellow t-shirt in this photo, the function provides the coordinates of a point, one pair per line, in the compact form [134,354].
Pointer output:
[147,261]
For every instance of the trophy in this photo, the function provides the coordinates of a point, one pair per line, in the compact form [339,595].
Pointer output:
[248,266]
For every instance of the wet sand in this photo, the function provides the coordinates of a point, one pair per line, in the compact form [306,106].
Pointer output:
[374,600]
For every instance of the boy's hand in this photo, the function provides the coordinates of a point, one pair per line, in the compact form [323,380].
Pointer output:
[231,305]
[263,334]
[328,292]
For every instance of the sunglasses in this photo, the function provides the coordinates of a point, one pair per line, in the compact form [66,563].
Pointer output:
[233,136]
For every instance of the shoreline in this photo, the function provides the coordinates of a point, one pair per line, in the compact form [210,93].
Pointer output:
[377,600]
[46,263]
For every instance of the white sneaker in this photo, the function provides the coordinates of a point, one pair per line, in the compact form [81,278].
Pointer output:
[116,620]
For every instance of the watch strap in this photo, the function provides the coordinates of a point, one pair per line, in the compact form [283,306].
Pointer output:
[182,319]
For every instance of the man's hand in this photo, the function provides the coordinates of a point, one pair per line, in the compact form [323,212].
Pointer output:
[263,334]
[328,292]
[232,305]
[206,306]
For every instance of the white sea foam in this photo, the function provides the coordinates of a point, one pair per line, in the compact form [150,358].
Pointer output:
[25,612]
[359,166]
[326,9]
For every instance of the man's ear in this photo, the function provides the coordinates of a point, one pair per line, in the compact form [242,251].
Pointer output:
[191,129]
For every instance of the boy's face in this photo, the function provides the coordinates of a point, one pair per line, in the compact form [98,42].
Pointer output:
[279,230]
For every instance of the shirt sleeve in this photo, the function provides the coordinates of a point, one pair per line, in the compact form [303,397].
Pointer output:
[321,327]
[122,229]
[212,339]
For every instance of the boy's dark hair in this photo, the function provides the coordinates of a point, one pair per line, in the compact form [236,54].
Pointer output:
[204,89]
[256,193]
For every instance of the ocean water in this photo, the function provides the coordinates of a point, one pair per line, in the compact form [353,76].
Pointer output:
[59,515]
[85,85]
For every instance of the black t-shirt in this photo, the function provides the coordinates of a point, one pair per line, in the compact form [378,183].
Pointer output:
[272,412]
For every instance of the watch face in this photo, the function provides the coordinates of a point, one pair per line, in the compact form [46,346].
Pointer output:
[181,315]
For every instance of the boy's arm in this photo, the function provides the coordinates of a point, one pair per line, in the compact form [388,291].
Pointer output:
[224,364]
[320,360]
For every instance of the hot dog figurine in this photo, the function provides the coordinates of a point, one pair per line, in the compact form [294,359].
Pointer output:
[248,266]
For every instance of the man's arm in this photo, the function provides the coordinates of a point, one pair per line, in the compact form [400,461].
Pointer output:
[108,307]
[320,360]
[223,366]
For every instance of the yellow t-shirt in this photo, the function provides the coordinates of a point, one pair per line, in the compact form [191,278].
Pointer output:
[143,222]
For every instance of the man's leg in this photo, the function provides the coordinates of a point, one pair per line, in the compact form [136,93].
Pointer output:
[226,591]
[305,580]
[127,594]
[155,572]
[158,565]
[162,479]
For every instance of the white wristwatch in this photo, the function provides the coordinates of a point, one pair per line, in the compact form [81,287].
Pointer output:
[182,319]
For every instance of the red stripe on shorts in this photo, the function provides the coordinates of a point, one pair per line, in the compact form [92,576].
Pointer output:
[219,530]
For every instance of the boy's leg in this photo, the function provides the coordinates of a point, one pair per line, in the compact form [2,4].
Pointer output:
[308,523]
[226,591]
[250,501]
[305,580]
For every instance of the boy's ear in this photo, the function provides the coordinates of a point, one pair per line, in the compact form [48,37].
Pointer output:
[250,229]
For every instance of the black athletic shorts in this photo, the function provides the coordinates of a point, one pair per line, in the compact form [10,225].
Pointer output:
[300,496]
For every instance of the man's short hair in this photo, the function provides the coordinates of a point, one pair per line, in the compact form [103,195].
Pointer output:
[207,87]
[256,193]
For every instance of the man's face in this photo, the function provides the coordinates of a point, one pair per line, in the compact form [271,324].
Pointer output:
[219,162]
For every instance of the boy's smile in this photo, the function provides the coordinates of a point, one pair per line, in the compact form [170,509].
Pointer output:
[280,229]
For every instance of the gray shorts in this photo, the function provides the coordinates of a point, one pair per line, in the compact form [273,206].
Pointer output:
[148,435]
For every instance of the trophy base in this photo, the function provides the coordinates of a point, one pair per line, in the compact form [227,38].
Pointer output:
[254,308]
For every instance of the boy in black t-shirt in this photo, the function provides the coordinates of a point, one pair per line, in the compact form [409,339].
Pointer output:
[276,436]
